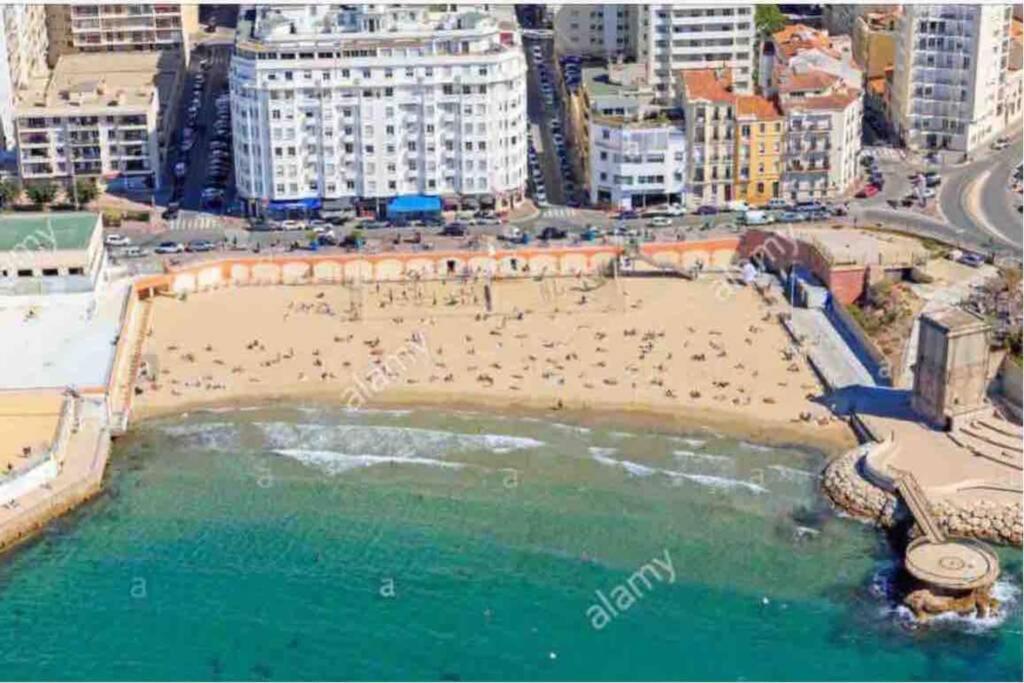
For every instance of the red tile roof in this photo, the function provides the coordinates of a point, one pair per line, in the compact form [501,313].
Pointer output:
[707,84]
[758,107]
[796,38]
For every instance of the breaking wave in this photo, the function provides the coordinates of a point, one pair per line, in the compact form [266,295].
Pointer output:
[334,462]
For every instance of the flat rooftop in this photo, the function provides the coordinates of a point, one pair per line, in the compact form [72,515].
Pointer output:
[848,246]
[59,340]
[100,80]
[46,231]
[956,319]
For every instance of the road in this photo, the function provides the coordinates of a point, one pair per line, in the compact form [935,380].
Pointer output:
[974,206]
[540,116]
[976,198]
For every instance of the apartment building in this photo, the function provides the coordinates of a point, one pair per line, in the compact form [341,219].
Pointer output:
[874,42]
[363,103]
[670,38]
[709,105]
[120,27]
[950,76]
[759,150]
[599,31]
[735,141]
[799,47]
[96,116]
[822,138]
[812,77]
[633,150]
[22,58]
[841,18]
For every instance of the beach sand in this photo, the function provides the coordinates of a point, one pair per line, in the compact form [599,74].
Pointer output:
[667,353]
[28,419]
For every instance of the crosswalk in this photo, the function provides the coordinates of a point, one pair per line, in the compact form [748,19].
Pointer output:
[195,223]
[560,212]
[884,153]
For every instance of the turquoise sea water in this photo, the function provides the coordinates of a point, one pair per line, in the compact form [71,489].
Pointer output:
[302,543]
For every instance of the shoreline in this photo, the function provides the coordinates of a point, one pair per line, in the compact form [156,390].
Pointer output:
[831,440]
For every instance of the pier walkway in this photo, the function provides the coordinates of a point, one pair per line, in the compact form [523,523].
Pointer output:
[913,496]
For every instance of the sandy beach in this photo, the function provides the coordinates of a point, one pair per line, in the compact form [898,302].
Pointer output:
[666,353]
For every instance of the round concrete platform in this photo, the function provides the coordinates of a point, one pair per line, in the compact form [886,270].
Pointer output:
[960,565]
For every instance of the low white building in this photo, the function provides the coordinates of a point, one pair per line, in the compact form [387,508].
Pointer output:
[50,253]
[363,103]
[635,163]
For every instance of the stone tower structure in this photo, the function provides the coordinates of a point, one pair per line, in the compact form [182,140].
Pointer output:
[951,369]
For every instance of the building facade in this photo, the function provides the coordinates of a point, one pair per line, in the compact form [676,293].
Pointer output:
[950,75]
[23,45]
[370,102]
[91,119]
[120,27]
[735,141]
[670,38]
[636,163]
[600,31]
[759,150]
[819,89]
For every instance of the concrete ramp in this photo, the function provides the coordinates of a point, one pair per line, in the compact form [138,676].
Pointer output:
[913,496]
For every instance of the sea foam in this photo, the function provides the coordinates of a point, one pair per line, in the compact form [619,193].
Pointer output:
[334,462]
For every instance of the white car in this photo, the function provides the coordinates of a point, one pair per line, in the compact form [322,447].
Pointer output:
[170,248]
[660,222]
[675,210]
[738,206]
[292,225]
[116,240]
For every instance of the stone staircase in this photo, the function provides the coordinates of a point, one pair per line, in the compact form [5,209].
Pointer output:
[910,490]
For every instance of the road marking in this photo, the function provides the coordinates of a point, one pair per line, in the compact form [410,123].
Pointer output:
[195,223]
[974,208]
[559,212]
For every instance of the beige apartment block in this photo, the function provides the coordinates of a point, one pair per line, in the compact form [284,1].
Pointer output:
[97,116]
[120,27]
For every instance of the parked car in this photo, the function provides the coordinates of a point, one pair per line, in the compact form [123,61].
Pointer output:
[132,252]
[738,205]
[454,230]
[972,260]
[628,215]
[777,203]
[758,218]
[707,210]
[196,246]
[169,248]
[868,191]
[1001,143]
[171,212]
[553,233]
[792,217]
[660,222]
[115,240]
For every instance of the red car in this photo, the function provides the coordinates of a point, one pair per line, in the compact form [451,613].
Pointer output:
[868,191]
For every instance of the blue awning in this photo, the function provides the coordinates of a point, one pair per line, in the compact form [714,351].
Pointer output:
[311,204]
[416,203]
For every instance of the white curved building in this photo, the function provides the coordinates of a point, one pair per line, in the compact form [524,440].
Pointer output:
[362,103]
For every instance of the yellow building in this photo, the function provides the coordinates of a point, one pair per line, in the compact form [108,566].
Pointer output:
[758,157]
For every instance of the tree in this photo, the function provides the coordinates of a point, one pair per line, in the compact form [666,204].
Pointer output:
[86,190]
[768,19]
[10,191]
[42,193]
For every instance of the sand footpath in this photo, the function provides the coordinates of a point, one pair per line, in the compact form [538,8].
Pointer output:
[665,353]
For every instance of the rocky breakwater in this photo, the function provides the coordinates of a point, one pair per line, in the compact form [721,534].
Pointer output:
[983,519]
[850,491]
[847,487]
